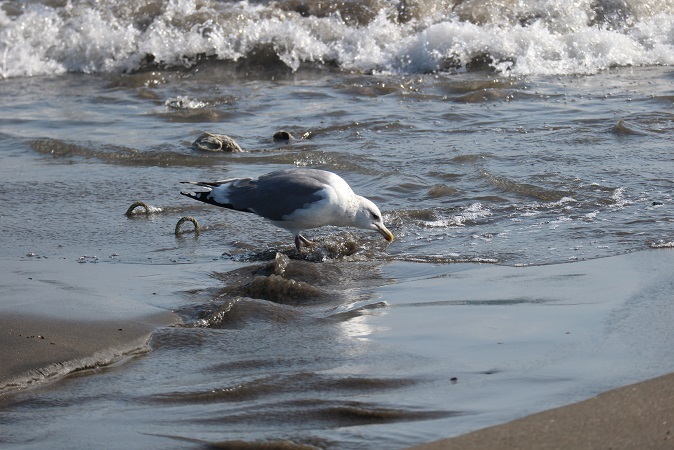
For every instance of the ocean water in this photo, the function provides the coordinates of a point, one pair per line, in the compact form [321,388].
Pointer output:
[493,135]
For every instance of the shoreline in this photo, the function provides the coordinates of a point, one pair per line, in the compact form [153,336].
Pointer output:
[38,349]
[639,415]
[60,316]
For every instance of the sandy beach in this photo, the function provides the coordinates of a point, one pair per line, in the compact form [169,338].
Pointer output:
[638,416]
[57,318]
[38,348]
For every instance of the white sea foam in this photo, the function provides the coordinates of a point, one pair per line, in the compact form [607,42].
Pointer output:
[662,244]
[519,38]
[618,197]
[474,212]
[183,102]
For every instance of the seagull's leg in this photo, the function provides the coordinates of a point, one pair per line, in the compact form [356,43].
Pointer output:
[300,241]
[305,241]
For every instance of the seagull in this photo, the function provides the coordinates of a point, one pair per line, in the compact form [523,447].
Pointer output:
[295,200]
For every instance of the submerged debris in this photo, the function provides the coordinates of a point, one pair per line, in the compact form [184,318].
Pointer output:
[131,211]
[135,205]
[211,142]
[179,230]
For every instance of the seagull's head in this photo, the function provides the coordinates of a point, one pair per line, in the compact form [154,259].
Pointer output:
[368,217]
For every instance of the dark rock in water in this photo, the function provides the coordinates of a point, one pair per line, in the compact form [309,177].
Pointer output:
[281,262]
[277,289]
[282,135]
[307,272]
[211,142]
[293,280]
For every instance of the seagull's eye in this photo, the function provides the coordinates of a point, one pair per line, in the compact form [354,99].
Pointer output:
[375,216]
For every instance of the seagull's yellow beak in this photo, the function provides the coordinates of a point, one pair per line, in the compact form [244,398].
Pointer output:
[385,232]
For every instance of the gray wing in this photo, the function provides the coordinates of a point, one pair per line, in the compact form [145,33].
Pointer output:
[278,194]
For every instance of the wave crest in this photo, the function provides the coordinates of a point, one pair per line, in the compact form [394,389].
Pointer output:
[408,36]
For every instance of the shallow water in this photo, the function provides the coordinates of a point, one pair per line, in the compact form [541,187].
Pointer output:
[409,352]
[527,158]
[582,161]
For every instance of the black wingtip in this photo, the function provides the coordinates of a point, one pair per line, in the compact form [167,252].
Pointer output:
[206,184]
[200,196]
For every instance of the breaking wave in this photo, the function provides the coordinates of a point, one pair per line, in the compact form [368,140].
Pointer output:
[529,37]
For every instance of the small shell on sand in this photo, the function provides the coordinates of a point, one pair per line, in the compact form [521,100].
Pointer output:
[211,142]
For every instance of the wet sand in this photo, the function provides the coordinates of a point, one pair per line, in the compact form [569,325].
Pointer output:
[58,316]
[637,416]
[37,348]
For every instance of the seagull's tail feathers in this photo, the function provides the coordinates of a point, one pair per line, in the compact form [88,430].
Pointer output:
[217,194]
